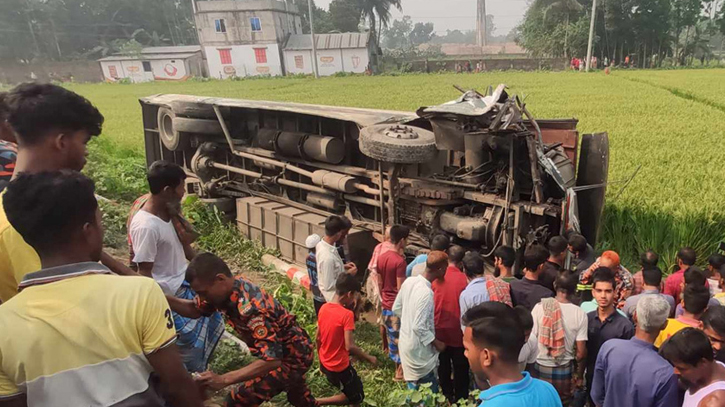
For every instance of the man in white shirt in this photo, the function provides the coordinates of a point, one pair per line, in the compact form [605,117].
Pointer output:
[415,306]
[159,254]
[561,363]
[329,263]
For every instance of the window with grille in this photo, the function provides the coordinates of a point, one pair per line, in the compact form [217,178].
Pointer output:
[220,25]
[261,55]
[256,24]
[225,55]
[146,66]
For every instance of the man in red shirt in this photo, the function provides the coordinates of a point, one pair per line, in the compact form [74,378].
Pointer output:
[448,327]
[335,343]
[391,267]
[647,260]
[686,257]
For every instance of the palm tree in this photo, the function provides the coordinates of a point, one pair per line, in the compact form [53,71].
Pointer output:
[566,7]
[378,10]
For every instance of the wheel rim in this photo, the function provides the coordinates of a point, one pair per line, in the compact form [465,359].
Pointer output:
[167,127]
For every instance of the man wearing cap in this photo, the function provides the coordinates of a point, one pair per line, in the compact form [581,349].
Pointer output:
[318,299]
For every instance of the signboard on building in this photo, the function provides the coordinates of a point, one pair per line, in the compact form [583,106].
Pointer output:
[170,70]
[229,70]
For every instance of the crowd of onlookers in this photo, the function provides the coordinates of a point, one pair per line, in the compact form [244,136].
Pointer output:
[574,329]
[79,328]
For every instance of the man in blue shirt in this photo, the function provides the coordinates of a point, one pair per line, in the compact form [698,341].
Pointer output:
[416,267]
[493,339]
[631,372]
[651,281]
[475,292]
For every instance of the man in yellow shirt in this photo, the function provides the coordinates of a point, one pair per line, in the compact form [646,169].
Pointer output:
[52,126]
[696,298]
[76,335]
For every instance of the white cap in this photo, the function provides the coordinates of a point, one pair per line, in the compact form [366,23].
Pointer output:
[312,241]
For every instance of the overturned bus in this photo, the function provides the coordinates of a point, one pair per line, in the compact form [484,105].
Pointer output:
[481,169]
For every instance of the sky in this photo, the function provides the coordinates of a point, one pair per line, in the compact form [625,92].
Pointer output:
[458,14]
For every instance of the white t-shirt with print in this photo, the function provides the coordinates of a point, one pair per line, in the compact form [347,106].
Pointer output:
[575,329]
[156,241]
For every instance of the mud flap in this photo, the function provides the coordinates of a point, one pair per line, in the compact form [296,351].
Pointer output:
[571,213]
[593,170]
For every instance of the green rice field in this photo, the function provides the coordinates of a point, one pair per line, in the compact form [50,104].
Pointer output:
[671,123]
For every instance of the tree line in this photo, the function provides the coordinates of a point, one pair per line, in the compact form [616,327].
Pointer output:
[83,29]
[646,32]
[71,29]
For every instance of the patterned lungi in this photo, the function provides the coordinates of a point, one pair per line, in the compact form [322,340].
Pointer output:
[392,327]
[197,337]
[560,377]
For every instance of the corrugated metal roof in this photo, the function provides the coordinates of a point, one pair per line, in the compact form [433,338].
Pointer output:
[181,49]
[146,57]
[328,41]
[180,52]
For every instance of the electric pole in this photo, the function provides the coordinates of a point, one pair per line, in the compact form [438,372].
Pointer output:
[481,22]
[30,26]
[314,43]
[591,35]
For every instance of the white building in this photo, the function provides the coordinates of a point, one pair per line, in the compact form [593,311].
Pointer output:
[245,38]
[155,63]
[343,52]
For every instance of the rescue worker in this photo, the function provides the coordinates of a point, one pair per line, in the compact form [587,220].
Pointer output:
[283,348]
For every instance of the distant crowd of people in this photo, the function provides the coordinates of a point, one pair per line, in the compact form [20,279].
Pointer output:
[579,64]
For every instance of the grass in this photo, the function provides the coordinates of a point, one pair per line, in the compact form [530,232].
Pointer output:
[670,122]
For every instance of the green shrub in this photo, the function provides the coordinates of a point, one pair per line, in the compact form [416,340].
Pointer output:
[228,357]
[119,173]
[114,223]
[424,397]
